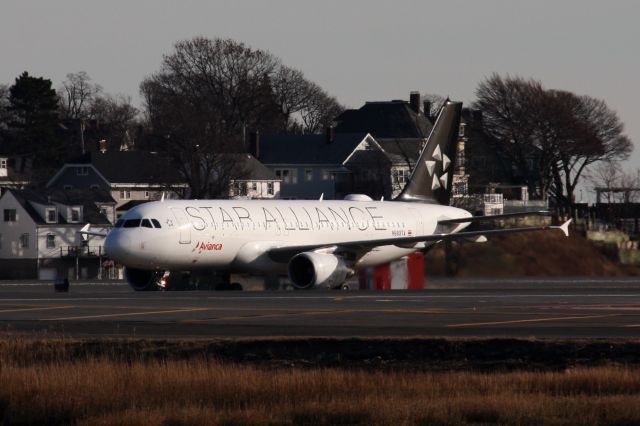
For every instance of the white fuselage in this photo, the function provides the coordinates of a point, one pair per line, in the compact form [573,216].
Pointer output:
[236,235]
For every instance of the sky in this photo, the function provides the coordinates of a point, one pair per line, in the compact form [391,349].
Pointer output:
[357,50]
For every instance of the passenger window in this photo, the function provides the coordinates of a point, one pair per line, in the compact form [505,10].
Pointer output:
[119,223]
[146,223]
[156,223]
[132,223]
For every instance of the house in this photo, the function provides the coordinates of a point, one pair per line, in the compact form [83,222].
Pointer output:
[331,165]
[255,180]
[399,127]
[14,173]
[489,181]
[39,235]
[126,175]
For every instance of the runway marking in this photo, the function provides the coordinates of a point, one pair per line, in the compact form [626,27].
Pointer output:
[47,308]
[171,311]
[396,298]
[316,312]
[473,324]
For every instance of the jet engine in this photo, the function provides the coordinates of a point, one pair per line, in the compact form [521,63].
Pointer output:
[309,269]
[143,280]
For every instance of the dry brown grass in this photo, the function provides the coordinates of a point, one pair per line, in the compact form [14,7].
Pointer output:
[202,392]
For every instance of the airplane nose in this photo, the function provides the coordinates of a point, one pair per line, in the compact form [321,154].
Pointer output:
[116,246]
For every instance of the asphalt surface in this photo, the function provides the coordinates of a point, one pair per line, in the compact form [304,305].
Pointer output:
[550,308]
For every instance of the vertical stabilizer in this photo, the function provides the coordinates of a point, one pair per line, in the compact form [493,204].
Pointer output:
[432,176]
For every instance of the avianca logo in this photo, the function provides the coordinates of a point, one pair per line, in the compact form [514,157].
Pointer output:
[201,245]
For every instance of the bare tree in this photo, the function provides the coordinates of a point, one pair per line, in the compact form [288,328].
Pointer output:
[77,95]
[118,116]
[209,93]
[320,110]
[508,118]
[600,137]
[202,101]
[550,136]
[292,91]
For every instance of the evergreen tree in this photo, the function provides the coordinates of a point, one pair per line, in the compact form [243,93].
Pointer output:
[33,105]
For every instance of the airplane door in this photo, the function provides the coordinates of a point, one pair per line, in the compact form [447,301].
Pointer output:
[183,225]
[419,229]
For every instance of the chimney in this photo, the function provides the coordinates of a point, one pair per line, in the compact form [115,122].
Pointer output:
[329,135]
[254,144]
[427,109]
[102,146]
[414,101]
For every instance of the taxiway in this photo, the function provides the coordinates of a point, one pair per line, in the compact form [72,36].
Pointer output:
[551,308]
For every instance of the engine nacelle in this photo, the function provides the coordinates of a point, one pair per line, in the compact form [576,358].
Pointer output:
[309,269]
[143,280]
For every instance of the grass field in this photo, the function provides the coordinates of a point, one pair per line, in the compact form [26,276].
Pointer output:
[36,388]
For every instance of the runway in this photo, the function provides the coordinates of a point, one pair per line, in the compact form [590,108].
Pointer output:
[525,308]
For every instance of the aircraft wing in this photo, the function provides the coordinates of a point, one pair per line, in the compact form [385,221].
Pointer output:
[285,253]
[493,217]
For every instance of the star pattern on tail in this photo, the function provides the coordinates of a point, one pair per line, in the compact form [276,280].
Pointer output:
[438,157]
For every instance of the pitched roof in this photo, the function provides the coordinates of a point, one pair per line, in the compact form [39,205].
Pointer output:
[401,150]
[91,213]
[392,119]
[251,168]
[308,149]
[132,167]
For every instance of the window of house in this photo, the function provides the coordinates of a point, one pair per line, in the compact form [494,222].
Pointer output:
[400,175]
[3,163]
[328,174]
[125,195]
[461,129]
[24,241]
[82,171]
[75,214]
[146,194]
[52,216]
[270,188]
[287,175]
[67,187]
[9,215]
[51,241]
[308,175]
[254,186]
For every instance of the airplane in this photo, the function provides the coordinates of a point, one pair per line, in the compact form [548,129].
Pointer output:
[318,243]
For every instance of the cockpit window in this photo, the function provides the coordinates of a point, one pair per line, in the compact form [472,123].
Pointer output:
[156,223]
[132,223]
[146,223]
[119,223]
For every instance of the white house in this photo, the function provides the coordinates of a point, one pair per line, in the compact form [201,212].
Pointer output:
[39,237]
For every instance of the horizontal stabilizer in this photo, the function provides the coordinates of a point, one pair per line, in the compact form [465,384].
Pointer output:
[85,232]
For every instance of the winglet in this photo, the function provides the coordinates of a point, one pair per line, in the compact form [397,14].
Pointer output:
[565,227]
[84,231]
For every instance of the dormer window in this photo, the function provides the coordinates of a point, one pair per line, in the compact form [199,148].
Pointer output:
[52,215]
[82,171]
[75,214]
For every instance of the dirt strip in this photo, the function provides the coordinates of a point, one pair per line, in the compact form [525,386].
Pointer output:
[420,354]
